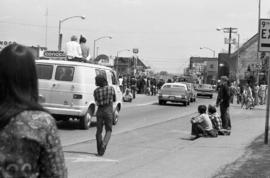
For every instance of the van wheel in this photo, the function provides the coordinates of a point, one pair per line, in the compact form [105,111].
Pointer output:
[115,116]
[86,120]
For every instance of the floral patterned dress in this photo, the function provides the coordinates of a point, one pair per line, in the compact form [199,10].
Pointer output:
[30,147]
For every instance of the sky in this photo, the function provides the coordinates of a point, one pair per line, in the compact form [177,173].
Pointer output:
[166,32]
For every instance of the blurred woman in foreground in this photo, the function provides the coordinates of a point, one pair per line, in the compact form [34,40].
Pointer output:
[29,142]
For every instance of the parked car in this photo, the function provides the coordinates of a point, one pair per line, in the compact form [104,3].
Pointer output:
[174,92]
[66,89]
[205,90]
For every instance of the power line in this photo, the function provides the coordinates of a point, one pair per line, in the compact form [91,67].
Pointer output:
[91,30]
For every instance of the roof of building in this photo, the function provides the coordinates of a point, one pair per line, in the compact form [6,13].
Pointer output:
[247,44]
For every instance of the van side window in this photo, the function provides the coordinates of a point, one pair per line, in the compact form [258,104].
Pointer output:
[44,71]
[64,73]
[114,81]
[101,72]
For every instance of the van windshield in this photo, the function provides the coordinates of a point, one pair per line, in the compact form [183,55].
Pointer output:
[64,73]
[44,71]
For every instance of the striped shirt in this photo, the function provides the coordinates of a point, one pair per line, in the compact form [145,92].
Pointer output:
[216,121]
[104,95]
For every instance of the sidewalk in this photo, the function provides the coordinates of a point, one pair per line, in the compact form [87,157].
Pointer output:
[254,162]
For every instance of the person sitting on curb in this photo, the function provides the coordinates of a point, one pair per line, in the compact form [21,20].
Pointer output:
[201,125]
[216,121]
[127,96]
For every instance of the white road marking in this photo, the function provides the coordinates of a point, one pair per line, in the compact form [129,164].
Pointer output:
[137,105]
[144,104]
[86,158]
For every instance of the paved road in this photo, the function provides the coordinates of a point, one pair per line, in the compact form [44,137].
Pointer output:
[143,111]
[143,134]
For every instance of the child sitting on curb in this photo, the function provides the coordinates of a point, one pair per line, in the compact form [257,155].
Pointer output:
[127,95]
[216,121]
[202,125]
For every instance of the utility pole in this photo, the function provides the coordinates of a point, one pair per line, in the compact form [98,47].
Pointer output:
[230,37]
[229,30]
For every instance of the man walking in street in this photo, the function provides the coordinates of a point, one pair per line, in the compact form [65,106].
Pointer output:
[104,97]
[223,100]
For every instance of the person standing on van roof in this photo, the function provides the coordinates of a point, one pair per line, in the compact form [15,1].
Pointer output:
[73,49]
[30,144]
[85,49]
[104,97]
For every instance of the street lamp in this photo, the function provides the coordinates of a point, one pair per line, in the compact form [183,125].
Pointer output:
[117,59]
[95,44]
[214,52]
[59,30]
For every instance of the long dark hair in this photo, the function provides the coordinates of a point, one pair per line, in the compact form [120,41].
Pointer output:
[18,82]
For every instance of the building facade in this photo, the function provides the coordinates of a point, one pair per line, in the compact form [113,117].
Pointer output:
[129,66]
[204,68]
[246,65]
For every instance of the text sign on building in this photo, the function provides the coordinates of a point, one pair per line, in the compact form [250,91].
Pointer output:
[264,38]
[54,54]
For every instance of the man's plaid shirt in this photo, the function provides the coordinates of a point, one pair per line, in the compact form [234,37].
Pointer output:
[104,95]
[216,121]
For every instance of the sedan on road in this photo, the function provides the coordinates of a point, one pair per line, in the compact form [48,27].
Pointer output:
[205,90]
[174,92]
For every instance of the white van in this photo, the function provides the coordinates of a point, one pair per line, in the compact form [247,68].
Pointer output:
[66,89]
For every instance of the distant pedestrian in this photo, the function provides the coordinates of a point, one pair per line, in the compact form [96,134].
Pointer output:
[121,83]
[238,94]
[232,89]
[133,86]
[104,97]
[29,141]
[261,95]
[125,83]
[256,94]
[85,49]
[223,100]
[250,98]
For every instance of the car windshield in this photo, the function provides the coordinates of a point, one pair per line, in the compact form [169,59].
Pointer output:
[173,88]
[204,86]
